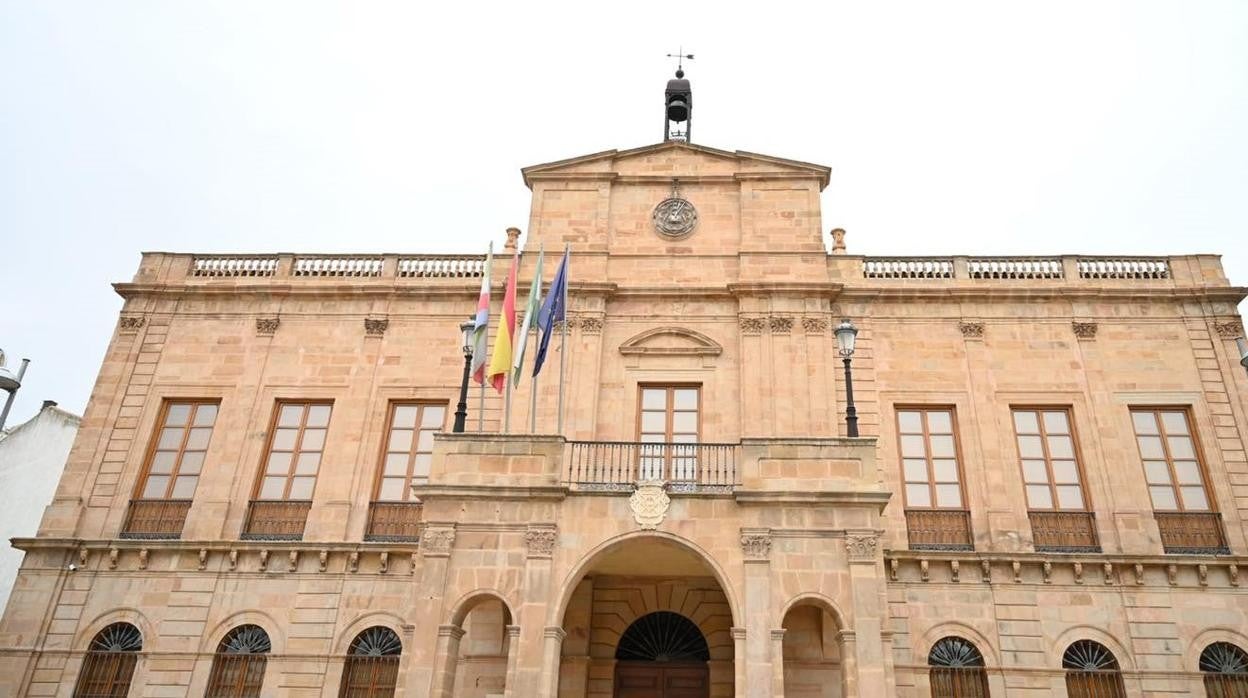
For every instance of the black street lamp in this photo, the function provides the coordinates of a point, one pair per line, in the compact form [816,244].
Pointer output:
[461,410]
[845,335]
[1242,345]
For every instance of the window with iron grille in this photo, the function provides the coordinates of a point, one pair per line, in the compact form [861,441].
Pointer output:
[1225,669]
[957,669]
[1092,671]
[238,666]
[109,663]
[372,666]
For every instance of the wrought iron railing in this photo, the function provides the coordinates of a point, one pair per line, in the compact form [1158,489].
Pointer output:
[393,521]
[939,529]
[365,676]
[959,682]
[1226,685]
[1190,532]
[622,464]
[155,518]
[1064,531]
[1105,683]
[276,519]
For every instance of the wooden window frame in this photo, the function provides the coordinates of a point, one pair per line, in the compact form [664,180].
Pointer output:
[154,442]
[412,451]
[957,454]
[1039,411]
[1197,451]
[668,411]
[295,452]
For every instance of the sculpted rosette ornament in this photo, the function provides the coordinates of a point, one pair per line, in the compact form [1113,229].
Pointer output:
[649,505]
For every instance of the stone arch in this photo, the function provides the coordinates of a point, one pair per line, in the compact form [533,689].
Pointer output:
[346,635]
[808,651]
[1089,632]
[125,614]
[266,622]
[1219,633]
[557,610]
[965,631]
[814,598]
[465,603]
[689,343]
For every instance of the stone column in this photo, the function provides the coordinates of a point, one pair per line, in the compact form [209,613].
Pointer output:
[738,660]
[866,572]
[849,663]
[445,659]
[553,637]
[540,541]
[777,663]
[756,548]
[513,658]
[436,542]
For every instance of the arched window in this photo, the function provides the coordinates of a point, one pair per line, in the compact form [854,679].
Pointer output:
[1225,667]
[110,662]
[372,667]
[238,667]
[1092,671]
[957,669]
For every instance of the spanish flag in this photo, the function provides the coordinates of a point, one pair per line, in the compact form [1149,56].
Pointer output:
[500,361]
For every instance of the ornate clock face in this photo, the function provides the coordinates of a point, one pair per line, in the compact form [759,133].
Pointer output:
[675,218]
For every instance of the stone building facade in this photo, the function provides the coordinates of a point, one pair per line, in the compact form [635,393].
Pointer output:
[1047,496]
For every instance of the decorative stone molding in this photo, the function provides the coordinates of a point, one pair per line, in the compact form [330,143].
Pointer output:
[1107,572]
[130,324]
[383,562]
[264,560]
[1229,329]
[985,572]
[912,567]
[203,558]
[142,558]
[752,325]
[554,632]
[1046,570]
[84,554]
[591,325]
[437,542]
[571,321]
[814,325]
[1084,330]
[376,327]
[353,561]
[954,571]
[233,560]
[695,343]
[649,505]
[1078,573]
[971,330]
[756,546]
[862,547]
[113,554]
[540,541]
[780,325]
[322,560]
[267,326]
[292,561]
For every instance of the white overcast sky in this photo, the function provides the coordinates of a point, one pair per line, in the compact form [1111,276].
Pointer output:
[950,127]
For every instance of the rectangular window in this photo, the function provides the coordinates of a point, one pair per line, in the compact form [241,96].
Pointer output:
[178,448]
[929,458]
[408,449]
[669,414]
[1046,451]
[1171,466]
[294,453]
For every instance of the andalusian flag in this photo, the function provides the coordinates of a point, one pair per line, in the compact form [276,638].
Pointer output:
[530,317]
[500,362]
[481,326]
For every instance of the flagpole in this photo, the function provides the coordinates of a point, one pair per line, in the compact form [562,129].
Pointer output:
[481,408]
[563,343]
[507,404]
[533,390]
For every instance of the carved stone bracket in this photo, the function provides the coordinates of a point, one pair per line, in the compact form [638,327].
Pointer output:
[814,325]
[540,541]
[1084,330]
[971,330]
[780,325]
[1229,329]
[752,325]
[862,547]
[267,326]
[437,541]
[756,546]
[130,324]
[376,327]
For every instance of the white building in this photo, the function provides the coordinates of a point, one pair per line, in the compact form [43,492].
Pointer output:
[32,456]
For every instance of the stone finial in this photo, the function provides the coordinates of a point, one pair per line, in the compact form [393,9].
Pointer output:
[838,241]
[1084,330]
[513,235]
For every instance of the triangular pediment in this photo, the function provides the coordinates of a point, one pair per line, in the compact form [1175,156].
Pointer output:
[671,341]
[684,160]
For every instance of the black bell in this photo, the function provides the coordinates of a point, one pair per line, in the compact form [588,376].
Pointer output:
[677,109]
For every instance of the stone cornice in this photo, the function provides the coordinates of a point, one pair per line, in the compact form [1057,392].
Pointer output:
[771,288]
[872,499]
[547,493]
[945,293]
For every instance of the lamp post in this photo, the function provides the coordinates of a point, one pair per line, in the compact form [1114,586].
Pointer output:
[461,410]
[1243,351]
[10,383]
[845,335]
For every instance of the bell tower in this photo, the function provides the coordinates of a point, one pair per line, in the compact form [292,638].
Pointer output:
[678,104]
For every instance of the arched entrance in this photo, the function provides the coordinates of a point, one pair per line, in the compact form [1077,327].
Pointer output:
[623,594]
[662,655]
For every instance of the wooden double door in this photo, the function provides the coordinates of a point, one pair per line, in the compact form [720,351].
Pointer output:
[662,680]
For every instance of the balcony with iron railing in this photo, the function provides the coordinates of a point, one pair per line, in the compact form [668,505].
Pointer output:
[276,519]
[155,519]
[393,521]
[939,529]
[1191,532]
[1064,531]
[619,465]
